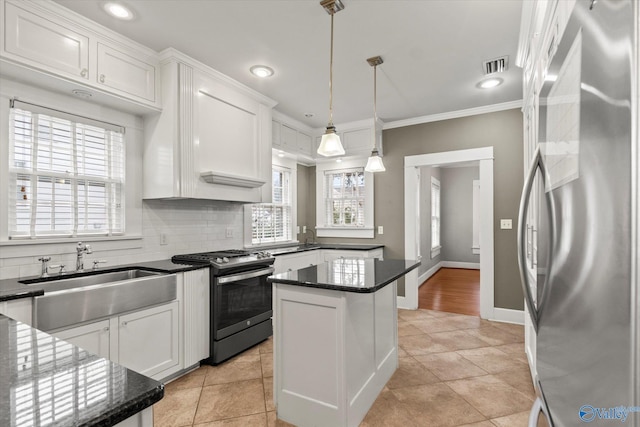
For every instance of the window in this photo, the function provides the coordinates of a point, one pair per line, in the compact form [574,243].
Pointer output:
[344,200]
[66,175]
[435,217]
[345,197]
[272,222]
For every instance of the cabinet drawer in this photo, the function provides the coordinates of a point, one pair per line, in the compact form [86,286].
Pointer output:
[125,74]
[45,44]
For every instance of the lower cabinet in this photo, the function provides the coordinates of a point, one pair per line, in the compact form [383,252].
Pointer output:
[146,341]
[295,261]
[93,337]
[18,309]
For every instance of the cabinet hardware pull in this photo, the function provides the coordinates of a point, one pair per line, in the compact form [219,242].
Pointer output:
[84,72]
[106,329]
[124,323]
[102,77]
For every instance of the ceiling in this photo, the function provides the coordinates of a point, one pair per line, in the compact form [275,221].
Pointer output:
[432,50]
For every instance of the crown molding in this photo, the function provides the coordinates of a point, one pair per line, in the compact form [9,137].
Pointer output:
[454,114]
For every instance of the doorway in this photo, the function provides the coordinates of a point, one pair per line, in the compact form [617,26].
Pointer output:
[484,156]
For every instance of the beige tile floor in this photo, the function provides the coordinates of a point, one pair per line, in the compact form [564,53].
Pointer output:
[455,370]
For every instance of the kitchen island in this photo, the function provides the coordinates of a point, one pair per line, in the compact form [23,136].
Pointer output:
[47,381]
[335,339]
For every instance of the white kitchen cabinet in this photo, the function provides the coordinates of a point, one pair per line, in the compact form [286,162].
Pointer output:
[292,137]
[304,145]
[212,139]
[125,74]
[148,340]
[44,44]
[295,261]
[93,337]
[195,316]
[18,309]
[331,254]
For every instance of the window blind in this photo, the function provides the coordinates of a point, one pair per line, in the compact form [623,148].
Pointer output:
[272,222]
[345,198]
[66,177]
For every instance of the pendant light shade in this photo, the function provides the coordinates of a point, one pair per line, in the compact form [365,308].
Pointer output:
[374,163]
[330,144]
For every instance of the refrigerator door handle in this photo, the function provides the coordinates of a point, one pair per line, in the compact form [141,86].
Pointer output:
[522,234]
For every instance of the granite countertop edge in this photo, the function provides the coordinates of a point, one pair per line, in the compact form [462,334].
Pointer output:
[12,289]
[128,409]
[305,247]
[359,290]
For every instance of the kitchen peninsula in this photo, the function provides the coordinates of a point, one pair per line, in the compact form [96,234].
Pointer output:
[335,338]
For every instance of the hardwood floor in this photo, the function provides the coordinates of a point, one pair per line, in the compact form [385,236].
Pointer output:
[453,290]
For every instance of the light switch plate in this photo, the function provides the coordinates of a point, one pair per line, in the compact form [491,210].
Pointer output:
[506,224]
[229,233]
[380,230]
[163,238]
[304,228]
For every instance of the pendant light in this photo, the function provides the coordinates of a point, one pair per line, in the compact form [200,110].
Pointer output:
[330,144]
[374,163]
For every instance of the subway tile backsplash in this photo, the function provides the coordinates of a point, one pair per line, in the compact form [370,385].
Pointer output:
[185,226]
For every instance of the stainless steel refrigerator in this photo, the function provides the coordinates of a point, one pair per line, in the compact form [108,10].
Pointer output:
[585,306]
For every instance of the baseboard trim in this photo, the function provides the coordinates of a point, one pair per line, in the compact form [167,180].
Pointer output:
[507,315]
[430,272]
[456,264]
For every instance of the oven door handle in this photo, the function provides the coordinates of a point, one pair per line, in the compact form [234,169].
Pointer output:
[243,276]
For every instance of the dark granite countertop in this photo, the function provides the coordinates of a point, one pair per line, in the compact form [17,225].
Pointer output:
[348,274]
[47,381]
[286,250]
[11,289]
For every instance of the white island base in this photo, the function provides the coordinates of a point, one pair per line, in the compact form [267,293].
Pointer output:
[334,351]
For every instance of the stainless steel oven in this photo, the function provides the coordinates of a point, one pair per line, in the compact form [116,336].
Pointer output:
[240,300]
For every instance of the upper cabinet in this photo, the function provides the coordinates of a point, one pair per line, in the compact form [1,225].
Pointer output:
[212,139]
[43,39]
[293,137]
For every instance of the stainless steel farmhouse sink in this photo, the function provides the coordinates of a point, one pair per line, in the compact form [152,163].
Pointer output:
[73,300]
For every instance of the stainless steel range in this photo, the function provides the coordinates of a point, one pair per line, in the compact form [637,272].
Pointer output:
[240,299]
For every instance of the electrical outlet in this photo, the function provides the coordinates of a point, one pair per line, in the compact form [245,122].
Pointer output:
[506,224]
[304,228]
[163,238]
[228,233]
[380,229]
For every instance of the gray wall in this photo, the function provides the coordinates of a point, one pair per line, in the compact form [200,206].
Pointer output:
[306,207]
[456,203]
[426,172]
[503,131]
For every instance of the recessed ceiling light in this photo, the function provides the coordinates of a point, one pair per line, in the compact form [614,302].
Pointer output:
[490,83]
[261,71]
[117,10]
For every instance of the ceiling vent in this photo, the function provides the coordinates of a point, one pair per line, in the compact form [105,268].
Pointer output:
[497,65]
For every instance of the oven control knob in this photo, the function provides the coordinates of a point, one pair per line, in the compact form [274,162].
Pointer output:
[225,259]
[260,255]
[219,260]
[267,254]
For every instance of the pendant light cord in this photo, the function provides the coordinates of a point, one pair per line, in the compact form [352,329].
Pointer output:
[375,97]
[331,76]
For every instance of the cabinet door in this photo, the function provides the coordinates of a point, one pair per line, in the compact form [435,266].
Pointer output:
[93,337]
[275,135]
[195,324]
[304,144]
[289,138]
[125,74]
[330,254]
[358,141]
[148,339]
[44,44]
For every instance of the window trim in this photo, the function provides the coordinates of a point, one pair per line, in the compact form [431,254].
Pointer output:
[435,249]
[322,227]
[292,166]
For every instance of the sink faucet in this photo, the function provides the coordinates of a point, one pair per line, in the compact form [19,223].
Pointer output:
[44,260]
[81,248]
[314,236]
